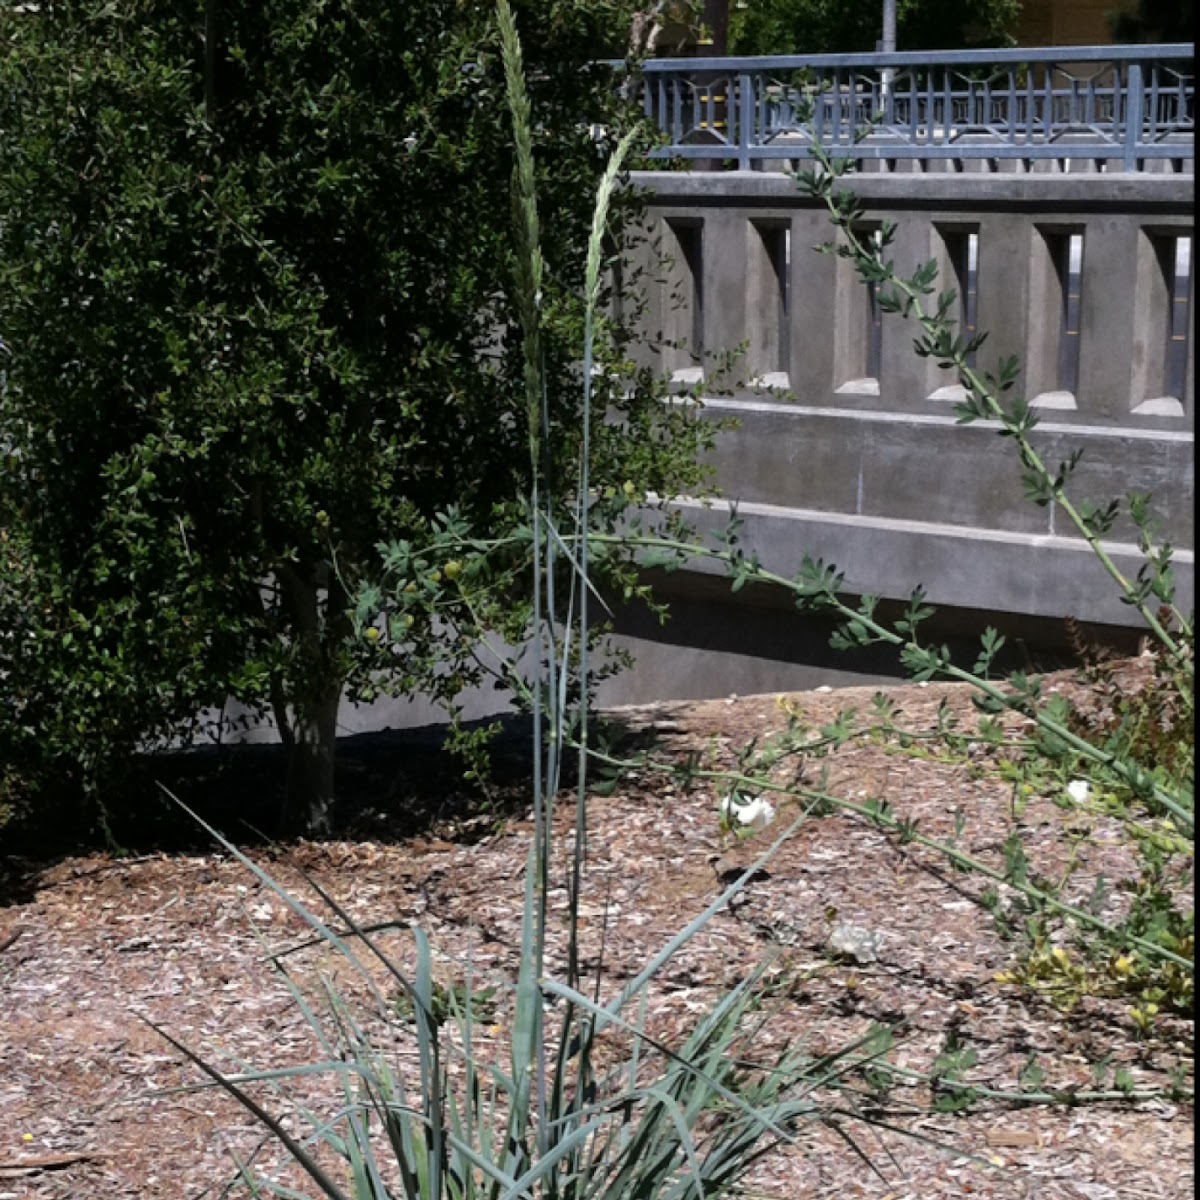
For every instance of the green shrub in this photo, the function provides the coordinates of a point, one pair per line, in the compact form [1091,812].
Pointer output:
[256,285]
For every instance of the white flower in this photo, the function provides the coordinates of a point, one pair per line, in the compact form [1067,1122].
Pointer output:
[1079,790]
[852,941]
[750,814]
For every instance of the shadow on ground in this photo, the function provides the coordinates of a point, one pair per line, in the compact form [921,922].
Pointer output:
[391,785]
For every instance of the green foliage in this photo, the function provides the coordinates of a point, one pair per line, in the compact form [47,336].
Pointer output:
[829,27]
[1130,753]
[256,282]
[951,1094]
[1149,725]
[449,1001]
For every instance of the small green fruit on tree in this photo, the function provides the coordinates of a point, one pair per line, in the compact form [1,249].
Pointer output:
[255,288]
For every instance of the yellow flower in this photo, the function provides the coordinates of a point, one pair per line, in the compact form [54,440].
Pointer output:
[453,570]
[372,634]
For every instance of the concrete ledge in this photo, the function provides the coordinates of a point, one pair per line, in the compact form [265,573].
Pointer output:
[930,469]
[1036,575]
[1126,193]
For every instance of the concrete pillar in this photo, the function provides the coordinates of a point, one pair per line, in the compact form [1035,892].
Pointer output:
[723,287]
[1006,255]
[641,297]
[851,334]
[906,379]
[1124,311]
[812,362]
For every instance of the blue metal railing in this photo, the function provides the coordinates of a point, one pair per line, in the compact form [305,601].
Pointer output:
[1120,107]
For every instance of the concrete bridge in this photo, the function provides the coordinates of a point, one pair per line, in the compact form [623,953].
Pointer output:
[848,447]
[1054,188]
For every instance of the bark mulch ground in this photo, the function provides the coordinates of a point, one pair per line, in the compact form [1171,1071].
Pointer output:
[90,944]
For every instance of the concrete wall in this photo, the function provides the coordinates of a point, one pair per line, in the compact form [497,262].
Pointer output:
[853,453]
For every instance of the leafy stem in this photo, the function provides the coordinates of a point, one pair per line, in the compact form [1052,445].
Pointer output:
[907,297]
[880,816]
[812,591]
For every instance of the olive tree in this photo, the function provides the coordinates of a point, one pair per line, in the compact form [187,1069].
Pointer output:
[255,288]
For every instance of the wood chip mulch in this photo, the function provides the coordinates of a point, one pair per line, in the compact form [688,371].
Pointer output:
[101,943]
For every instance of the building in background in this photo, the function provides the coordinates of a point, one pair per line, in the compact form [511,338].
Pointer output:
[1064,23]
[1104,22]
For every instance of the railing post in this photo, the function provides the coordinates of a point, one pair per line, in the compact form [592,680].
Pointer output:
[1133,115]
[745,119]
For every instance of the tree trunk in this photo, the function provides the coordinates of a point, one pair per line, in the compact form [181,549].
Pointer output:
[320,623]
[308,805]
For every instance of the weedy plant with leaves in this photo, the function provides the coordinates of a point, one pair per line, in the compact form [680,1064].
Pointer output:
[1131,755]
[1138,761]
[558,1120]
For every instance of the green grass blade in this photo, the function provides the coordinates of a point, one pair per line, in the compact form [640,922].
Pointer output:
[730,1097]
[527,1026]
[293,1147]
[429,1050]
[545,1166]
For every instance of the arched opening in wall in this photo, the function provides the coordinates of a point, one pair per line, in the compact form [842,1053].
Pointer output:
[1164,324]
[1071,269]
[1056,269]
[768,303]
[874,348]
[858,328]
[683,320]
[958,270]
[1180,330]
